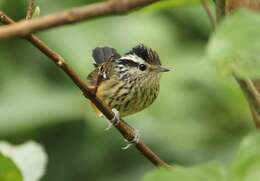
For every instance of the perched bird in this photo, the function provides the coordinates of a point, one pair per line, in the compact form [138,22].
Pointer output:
[126,84]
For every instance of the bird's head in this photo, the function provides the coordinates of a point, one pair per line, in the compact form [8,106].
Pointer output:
[140,61]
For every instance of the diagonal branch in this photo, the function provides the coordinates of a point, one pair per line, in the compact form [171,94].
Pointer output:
[252,96]
[110,7]
[127,131]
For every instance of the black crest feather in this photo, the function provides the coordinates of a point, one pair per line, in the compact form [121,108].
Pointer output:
[102,54]
[147,54]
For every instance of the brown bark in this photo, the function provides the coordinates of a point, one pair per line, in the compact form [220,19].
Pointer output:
[233,5]
[74,15]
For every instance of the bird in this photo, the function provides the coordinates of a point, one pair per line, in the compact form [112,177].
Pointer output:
[126,84]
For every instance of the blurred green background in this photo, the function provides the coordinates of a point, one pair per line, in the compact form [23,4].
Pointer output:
[199,115]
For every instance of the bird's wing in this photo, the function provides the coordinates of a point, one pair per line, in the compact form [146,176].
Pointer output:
[101,73]
[92,78]
[103,57]
[103,54]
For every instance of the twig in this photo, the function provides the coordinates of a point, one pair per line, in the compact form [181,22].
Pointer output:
[220,9]
[30,9]
[252,96]
[127,131]
[209,13]
[111,7]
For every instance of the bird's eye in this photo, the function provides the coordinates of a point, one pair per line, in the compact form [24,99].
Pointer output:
[142,67]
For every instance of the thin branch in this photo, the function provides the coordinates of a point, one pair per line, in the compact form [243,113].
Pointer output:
[220,9]
[209,13]
[111,7]
[252,96]
[127,131]
[30,9]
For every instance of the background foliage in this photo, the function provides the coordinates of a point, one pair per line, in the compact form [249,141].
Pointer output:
[200,115]
[244,167]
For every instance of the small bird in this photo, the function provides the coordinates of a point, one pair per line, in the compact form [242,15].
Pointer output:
[126,84]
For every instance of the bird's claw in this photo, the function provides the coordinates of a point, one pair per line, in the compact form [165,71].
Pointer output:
[134,141]
[115,120]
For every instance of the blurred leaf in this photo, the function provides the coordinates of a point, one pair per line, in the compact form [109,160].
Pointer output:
[8,170]
[247,163]
[235,46]
[161,174]
[35,105]
[169,4]
[206,172]
[245,167]
[30,157]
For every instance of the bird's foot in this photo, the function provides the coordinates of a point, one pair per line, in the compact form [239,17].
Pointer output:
[115,120]
[134,141]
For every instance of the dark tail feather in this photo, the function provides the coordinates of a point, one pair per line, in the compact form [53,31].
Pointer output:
[102,54]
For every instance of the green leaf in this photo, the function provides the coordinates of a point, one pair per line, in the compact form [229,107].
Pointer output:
[160,174]
[247,163]
[235,46]
[169,4]
[206,172]
[29,157]
[8,170]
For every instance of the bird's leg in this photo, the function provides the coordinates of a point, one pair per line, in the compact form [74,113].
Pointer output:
[115,120]
[134,141]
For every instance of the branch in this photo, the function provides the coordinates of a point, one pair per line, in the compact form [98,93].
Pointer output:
[252,97]
[110,7]
[127,131]
[209,13]
[220,9]
[30,9]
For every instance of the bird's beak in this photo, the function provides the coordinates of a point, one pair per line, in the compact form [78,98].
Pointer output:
[162,69]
